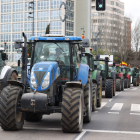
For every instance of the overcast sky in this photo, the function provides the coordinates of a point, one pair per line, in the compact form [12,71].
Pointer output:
[132,9]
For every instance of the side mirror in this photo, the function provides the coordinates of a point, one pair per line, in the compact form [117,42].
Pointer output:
[18,63]
[18,44]
[3,56]
[85,43]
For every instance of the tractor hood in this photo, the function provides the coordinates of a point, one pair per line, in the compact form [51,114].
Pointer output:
[43,75]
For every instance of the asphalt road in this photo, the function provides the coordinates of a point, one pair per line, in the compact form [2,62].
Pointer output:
[117,119]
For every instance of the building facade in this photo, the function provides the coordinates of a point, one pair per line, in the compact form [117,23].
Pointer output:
[127,23]
[14,19]
[111,24]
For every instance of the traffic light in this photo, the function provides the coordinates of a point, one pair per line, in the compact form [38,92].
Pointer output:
[100,5]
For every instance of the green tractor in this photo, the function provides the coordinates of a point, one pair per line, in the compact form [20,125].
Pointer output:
[135,76]
[127,76]
[108,76]
[58,83]
[87,58]
[119,77]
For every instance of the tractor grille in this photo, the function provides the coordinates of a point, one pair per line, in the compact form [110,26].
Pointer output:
[39,76]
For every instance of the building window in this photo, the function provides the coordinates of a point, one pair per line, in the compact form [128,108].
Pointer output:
[16,57]
[31,15]
[6,38]
[56,25]
[55,32]
[55,14]
[43,4]
[28,35]
[70,4]
[71,17]
[55,4]
[70,26]
[6,18]
[31,5]
[8,49]
[18,27]
[17,17]
[5,27]
[17,0]
[17,7]
[69,33]
[5,8]
[43,15]
[5,1]
[17,36]
[29,26]
[42,25]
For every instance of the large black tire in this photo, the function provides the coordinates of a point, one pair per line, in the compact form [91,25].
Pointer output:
[99,93]
[109,88]
[88,95]
[114,87]
[125,83]
[11,119]
[122,85]
[72,110]
[118,84]
[94,97]
[135,82]
[33,117]
[129,83]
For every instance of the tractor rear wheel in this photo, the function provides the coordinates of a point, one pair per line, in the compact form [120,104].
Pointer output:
[118,84]
[125,83]
[72,110]
[94,97]
[109,88]
[99,94]
[33,117]
[114,87]
[135,82]
[11,119]
[88,100]
[122,85]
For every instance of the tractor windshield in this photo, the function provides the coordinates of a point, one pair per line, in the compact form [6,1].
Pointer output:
[50,51]
[84,60]
[102,65]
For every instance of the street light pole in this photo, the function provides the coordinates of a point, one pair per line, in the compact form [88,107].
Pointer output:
[33,17]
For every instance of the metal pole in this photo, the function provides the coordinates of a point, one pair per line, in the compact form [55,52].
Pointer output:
[33,17]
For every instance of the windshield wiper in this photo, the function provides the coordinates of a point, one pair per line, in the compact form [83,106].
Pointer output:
[59,46]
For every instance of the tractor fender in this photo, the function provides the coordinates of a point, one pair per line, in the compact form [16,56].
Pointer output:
[76,84]
[5,76]
[83,73]
[96,76]
[120,75]
[128,76]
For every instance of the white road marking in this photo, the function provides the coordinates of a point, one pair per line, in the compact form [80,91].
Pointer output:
[135,107]
[134,113]
[102,105]
[81,135]
[117,106]
[110,100]
[113,112]
[108,131]
[134,89]
[95,112]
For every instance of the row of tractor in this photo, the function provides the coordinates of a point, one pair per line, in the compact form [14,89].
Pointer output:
[60,78]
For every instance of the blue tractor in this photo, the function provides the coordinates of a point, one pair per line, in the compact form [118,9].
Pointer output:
[58,84]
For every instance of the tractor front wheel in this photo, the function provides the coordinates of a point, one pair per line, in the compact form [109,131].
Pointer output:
[99,94]
[118,84]
[125,83]
[72,110]
[129,83]
[11,119]
[135,82]
[94,97]
[109,88]
[122,85]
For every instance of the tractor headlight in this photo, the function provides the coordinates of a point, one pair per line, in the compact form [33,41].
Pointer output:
[46,81]
[33,81]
